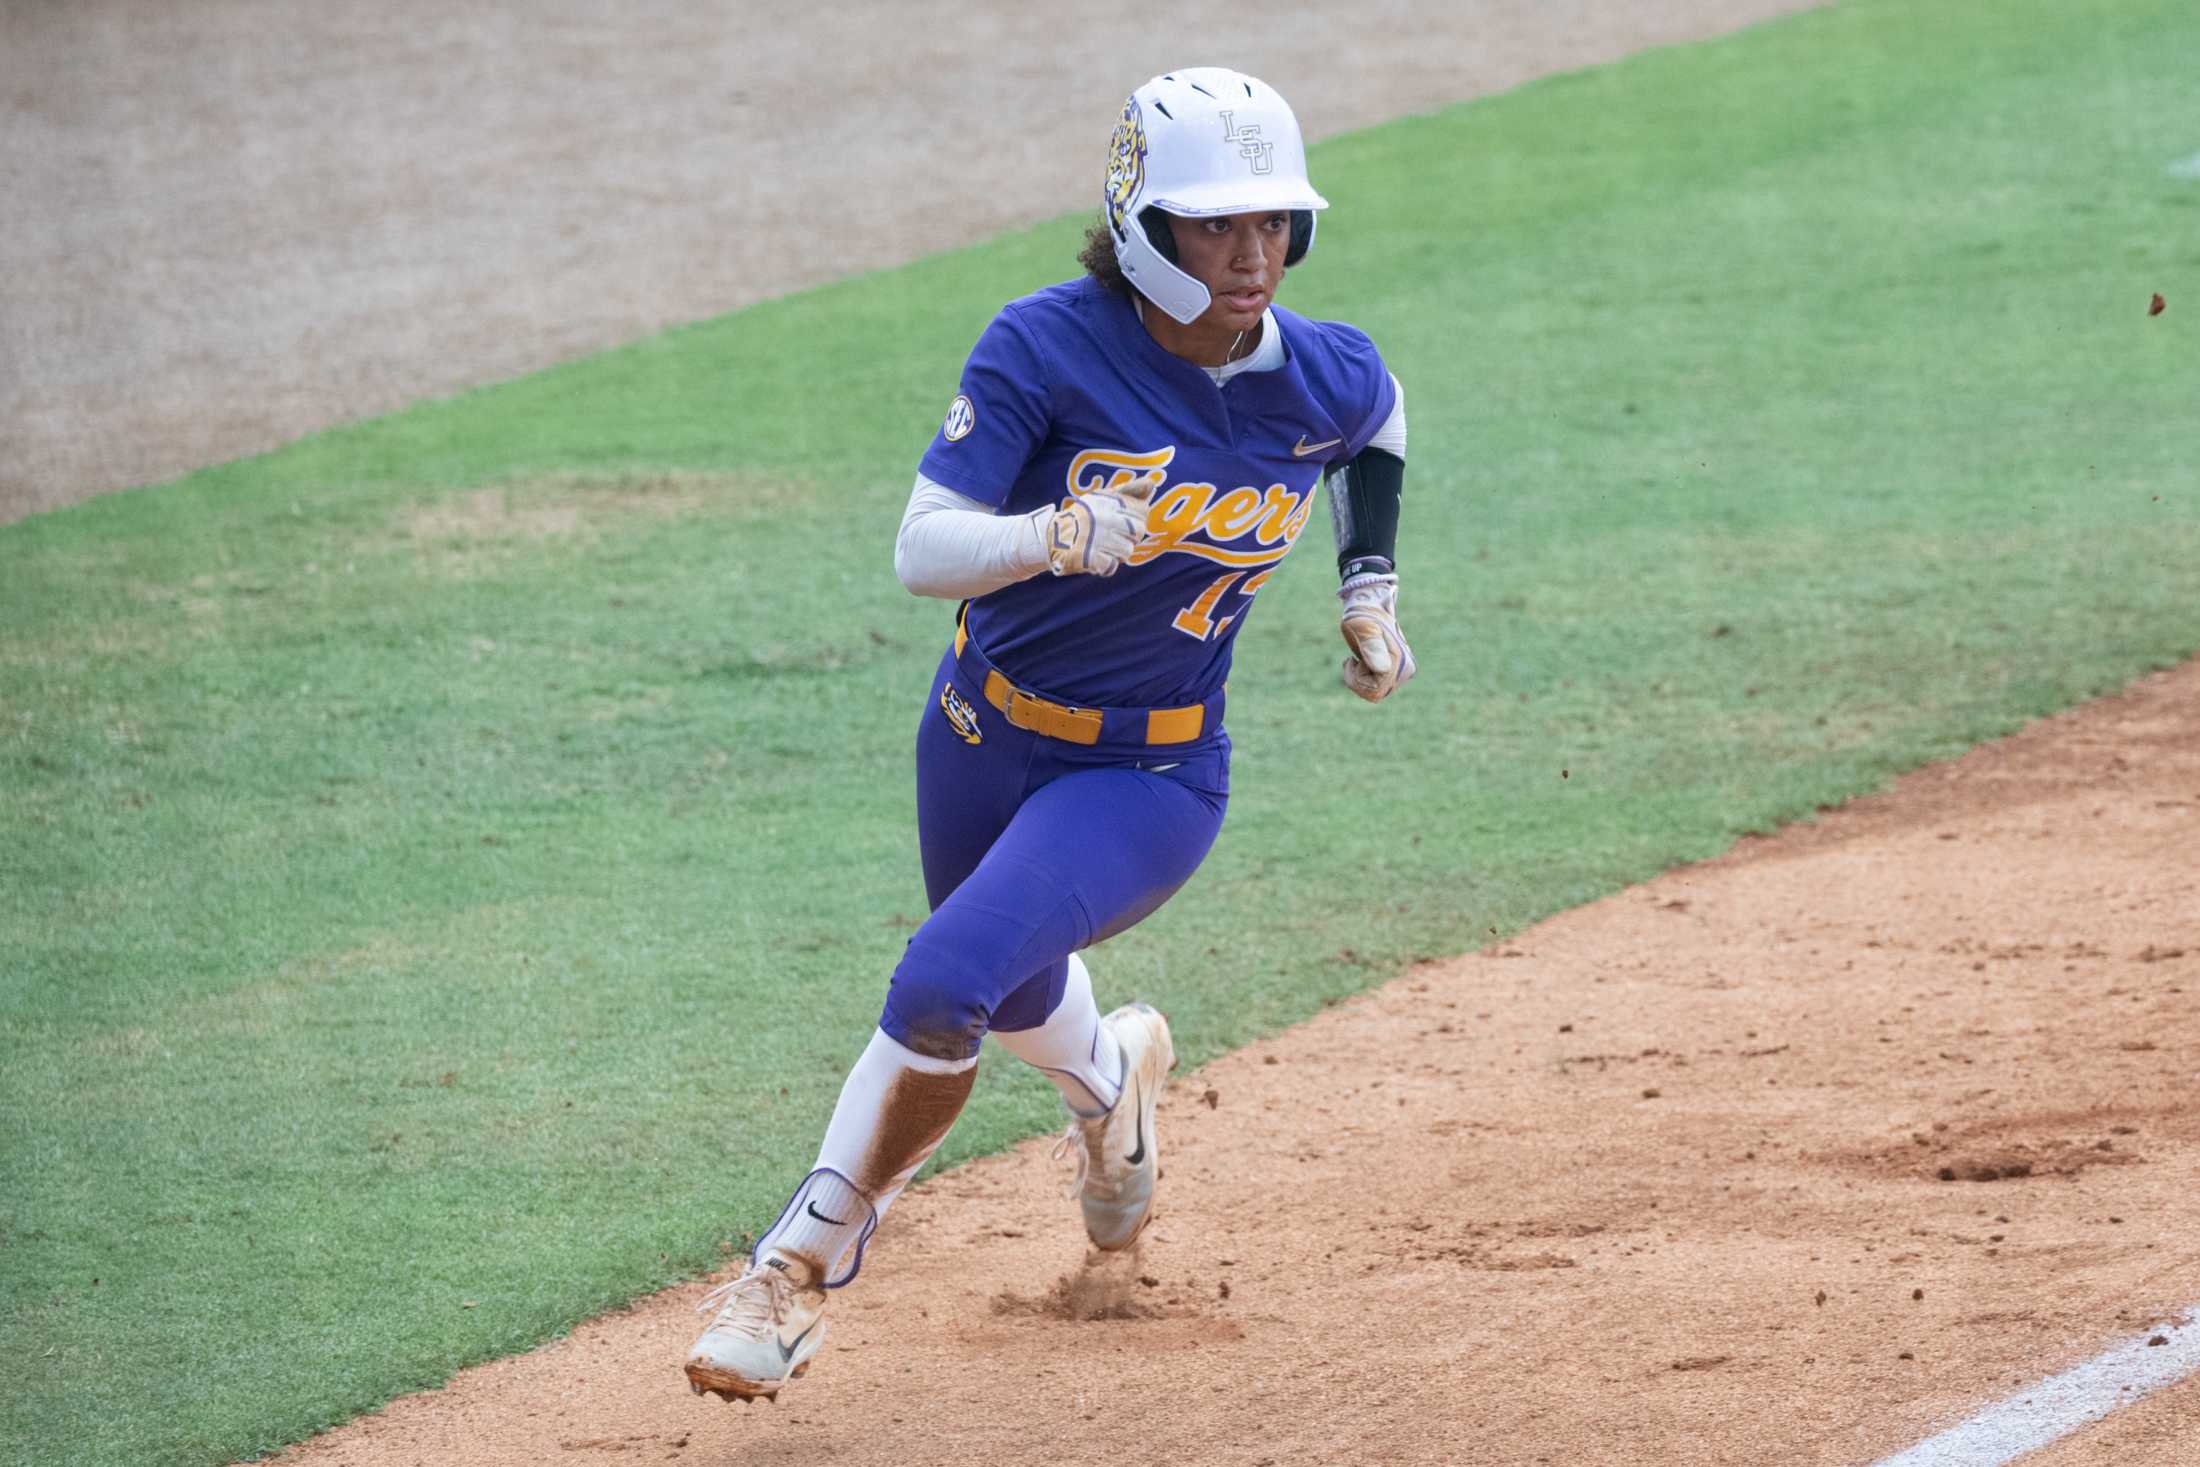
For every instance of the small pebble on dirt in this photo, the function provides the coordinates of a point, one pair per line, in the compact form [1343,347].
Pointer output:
[2159,1340]
[1269,1059]
[1213,1098]
[1905,1355]
[1565,1028]
[2115,1219]
[1149,1281]
[1917,1293]
[1652,1094]
[1222,1290]
[1821,1298]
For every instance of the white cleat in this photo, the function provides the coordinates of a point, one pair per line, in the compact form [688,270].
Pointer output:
[770,1322]
[1117,1155]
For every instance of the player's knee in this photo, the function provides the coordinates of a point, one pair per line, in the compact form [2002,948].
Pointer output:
[968,957]
[934,1006]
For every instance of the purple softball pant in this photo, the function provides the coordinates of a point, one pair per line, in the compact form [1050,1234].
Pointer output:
[1034,848]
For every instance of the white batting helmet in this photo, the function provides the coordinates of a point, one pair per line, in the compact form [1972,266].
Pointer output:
[1200,142]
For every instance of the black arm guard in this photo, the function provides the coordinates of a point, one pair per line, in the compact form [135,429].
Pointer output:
[1363,509]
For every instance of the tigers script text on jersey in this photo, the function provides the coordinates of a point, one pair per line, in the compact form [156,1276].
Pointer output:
[1066,392]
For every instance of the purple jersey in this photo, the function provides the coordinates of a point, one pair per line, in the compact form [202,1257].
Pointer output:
[1066,392]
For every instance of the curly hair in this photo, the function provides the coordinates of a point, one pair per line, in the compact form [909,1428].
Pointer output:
[1098,258]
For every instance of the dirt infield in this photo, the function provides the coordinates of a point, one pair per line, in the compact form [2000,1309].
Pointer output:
[1796,1156]
[229,225]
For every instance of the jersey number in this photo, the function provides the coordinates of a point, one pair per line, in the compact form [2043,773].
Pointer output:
[1198,620]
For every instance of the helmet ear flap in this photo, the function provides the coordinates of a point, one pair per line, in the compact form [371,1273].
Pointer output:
[1155,220]
[1302,237]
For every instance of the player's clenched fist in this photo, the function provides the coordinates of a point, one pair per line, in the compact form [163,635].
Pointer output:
[1094,533]
[1380,659]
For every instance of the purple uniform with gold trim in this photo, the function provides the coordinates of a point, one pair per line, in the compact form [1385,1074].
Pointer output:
[1072,768]
[1066,392]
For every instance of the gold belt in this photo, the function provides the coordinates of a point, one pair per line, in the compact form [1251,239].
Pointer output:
[1080,725]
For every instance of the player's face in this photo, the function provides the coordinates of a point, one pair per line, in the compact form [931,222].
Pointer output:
[1239,258]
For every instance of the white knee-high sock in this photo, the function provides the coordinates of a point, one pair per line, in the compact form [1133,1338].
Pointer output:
[1073,1048]
[894,1112]
[895,1108]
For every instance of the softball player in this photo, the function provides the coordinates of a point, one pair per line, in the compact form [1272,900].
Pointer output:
[1129,457]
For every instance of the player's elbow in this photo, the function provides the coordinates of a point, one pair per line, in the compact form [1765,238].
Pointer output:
[911,567]
[905,566]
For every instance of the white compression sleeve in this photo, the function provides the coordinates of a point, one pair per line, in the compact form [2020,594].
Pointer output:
[1391,437]
[956,547]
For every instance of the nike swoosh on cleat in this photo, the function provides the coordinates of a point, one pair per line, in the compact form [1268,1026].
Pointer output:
[821,1217]
[1306,448]
[1138,1152]
[786,1351]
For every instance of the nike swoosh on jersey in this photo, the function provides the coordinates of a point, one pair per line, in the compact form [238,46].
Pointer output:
[1306,448]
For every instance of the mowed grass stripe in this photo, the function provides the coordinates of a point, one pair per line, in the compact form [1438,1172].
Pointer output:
[451,861]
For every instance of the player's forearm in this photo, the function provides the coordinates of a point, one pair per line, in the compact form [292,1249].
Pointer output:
[956,547]
[1365,496]
[1364,500]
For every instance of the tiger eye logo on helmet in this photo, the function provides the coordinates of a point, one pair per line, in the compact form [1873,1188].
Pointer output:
[1126,167]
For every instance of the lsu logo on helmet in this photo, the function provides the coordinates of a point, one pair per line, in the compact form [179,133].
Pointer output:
[1126,167]
[960,715]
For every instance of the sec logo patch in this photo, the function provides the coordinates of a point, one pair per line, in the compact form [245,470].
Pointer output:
[961,416]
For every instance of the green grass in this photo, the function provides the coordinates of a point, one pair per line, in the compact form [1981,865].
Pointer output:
[449,862]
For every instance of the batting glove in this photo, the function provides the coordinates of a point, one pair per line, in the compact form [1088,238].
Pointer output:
[1095,533]
[1381,661]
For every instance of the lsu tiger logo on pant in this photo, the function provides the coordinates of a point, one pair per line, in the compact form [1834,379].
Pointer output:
[960,715]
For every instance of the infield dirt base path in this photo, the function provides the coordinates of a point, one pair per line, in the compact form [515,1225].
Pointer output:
[1795,1157]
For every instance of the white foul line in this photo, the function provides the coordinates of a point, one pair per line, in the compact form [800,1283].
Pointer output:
[2062,1403]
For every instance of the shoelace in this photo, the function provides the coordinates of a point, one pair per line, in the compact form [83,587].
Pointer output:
[1076,1151]
[751,1304]
[1070,1151]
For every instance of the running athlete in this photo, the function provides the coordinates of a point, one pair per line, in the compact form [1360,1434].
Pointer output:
[1129,457]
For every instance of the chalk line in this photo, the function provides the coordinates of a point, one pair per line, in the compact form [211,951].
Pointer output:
[2060,1404]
